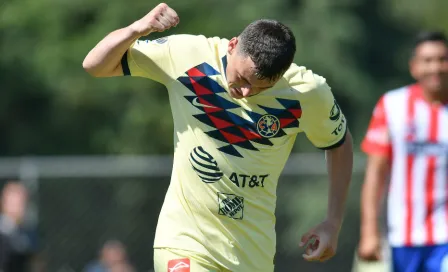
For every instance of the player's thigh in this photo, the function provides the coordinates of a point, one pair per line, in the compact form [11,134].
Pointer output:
[407,259]
[437,261]
[169,260]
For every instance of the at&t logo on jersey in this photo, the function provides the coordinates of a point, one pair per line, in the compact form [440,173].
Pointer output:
[268,125]
[205,165]
[179,265]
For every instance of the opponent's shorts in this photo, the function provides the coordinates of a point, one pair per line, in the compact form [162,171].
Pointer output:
[176,260]
[419,259]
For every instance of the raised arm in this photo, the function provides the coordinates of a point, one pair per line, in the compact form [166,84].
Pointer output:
[104,60]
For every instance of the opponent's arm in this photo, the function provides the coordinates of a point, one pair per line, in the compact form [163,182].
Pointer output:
[378,146]
[371,198]
[104,60]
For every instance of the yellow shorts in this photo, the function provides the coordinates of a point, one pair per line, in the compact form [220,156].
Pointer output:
[176,260]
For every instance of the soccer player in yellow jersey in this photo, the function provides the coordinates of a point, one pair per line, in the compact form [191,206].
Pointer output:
[237,106]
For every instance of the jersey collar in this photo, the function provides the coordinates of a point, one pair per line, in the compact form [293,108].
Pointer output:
[417,92]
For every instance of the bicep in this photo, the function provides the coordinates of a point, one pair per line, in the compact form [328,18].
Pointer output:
[122,69]
[116,72]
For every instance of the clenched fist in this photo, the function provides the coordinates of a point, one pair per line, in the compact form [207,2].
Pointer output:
[320,242]
[369,248]
[159,19]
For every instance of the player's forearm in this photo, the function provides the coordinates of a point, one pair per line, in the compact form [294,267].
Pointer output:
[106,56]
[371,198]
[369,210]
[339,166]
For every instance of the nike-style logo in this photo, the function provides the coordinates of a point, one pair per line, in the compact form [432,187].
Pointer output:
[196,103]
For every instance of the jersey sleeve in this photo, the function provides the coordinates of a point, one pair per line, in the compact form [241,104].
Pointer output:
[377,139]
[322,119]
[150,59]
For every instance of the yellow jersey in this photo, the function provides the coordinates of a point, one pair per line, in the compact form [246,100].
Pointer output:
[229,153]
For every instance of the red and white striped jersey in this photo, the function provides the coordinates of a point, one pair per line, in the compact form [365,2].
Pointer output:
[414,135]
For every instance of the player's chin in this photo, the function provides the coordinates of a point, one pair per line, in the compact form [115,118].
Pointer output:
[235,94]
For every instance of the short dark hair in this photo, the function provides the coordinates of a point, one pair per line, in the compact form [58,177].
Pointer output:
[271,45]
[429,36]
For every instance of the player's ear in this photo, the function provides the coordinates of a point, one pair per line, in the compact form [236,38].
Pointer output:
[232,45]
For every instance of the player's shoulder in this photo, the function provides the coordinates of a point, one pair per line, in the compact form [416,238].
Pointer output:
[181,39]
[398,93]
[194,46]
[395,96]
[191,39]
[305,83]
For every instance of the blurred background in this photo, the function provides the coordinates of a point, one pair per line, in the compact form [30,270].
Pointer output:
[94,155]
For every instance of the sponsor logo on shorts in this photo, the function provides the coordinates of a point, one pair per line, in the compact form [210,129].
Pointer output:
[179,265]
[231,205]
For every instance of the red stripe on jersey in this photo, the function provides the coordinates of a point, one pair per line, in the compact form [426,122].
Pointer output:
[296,112]
[199,89]
[194,72]
[232,139]
[431,176]
[410,167]
[377,138]
[286,121]
[219,123]
[250,135]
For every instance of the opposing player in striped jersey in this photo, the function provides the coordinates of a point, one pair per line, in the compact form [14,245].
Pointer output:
[407,144]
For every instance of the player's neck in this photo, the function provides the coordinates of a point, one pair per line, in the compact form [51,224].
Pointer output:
[440,97]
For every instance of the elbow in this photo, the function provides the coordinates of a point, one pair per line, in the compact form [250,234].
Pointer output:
[90,68]
[96,70]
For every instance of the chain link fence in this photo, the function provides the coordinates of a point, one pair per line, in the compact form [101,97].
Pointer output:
[80,203]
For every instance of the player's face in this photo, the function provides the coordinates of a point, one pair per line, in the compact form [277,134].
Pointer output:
[241,74]
[429,66]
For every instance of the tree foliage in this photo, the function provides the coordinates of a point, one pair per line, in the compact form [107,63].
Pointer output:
[49,105]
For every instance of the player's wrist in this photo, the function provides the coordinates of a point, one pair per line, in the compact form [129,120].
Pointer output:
[334,222]
[137,29]
[367,230]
